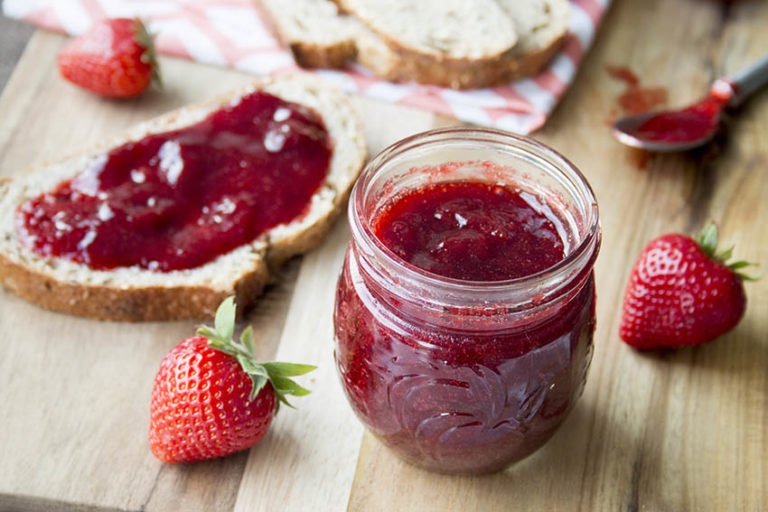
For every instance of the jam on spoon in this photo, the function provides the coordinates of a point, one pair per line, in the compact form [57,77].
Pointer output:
[684,129]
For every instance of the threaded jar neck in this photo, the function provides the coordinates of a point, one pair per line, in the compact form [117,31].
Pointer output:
[514,161]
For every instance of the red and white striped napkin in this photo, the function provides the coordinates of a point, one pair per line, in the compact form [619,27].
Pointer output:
[230,33]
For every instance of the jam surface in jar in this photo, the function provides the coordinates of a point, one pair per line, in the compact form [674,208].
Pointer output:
[444,395]
[179,199]
[471,231]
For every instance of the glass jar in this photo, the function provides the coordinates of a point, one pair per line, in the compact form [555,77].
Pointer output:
[466,376]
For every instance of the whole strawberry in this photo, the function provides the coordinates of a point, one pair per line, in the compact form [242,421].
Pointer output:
[681,292]
[115,58]
[211,398]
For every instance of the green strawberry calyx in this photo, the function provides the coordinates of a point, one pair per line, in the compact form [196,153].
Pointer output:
[221,337]
[146,40]
[708,240]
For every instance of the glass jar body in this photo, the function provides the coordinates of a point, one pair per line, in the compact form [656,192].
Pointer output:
[460,402]
[466,376]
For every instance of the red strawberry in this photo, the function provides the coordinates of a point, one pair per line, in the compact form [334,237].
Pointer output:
[115,58]
[211,398]
[680,292]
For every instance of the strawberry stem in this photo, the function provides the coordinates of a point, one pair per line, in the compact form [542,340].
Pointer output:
[708,239]
[221,337]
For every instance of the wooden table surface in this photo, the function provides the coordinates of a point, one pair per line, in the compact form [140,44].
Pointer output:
[668,431]
[13,38]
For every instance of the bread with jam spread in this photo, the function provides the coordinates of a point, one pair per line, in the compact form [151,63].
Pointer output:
[462,45]
[134,293]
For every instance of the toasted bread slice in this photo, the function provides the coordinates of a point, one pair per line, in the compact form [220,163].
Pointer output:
[539,25]
[137,294]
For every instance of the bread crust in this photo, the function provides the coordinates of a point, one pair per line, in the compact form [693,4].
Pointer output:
[462,75]
[309,55]
[150,304]
[179,299]
[279,253]
[534,62]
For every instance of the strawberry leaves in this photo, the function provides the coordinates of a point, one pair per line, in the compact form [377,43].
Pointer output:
[221,337]
[146,40]
[708,240]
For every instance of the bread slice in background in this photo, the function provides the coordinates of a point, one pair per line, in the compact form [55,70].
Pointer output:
[388,50]
[318,36]
[541,26]
[442,30]
[451,43]
[137,294]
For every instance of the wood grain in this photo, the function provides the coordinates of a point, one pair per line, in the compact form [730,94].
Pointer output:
[669,431]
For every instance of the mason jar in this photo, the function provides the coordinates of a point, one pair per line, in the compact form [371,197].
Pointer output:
[464,376]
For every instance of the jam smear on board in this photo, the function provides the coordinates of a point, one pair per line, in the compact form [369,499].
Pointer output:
[179,199]
[636,99]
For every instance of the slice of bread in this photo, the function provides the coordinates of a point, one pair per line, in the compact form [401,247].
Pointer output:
[314,31]
[443,30]
[398,53]
[137,294]
[542,26]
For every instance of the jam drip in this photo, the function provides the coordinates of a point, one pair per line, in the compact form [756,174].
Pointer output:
[472,231]
[179,199]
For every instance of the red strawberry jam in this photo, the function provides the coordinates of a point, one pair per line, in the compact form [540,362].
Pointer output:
[471,231]
[464,312]
[179,199]
[686,125]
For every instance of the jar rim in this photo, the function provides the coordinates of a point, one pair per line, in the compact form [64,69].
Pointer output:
[584,251]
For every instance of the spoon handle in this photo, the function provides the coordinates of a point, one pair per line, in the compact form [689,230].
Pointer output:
[749,80]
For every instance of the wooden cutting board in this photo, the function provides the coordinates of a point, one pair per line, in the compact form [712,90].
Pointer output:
[683,430]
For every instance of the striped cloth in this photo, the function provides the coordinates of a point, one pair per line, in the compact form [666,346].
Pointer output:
[229,33]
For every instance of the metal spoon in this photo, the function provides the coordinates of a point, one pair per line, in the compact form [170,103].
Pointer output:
[691,127]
